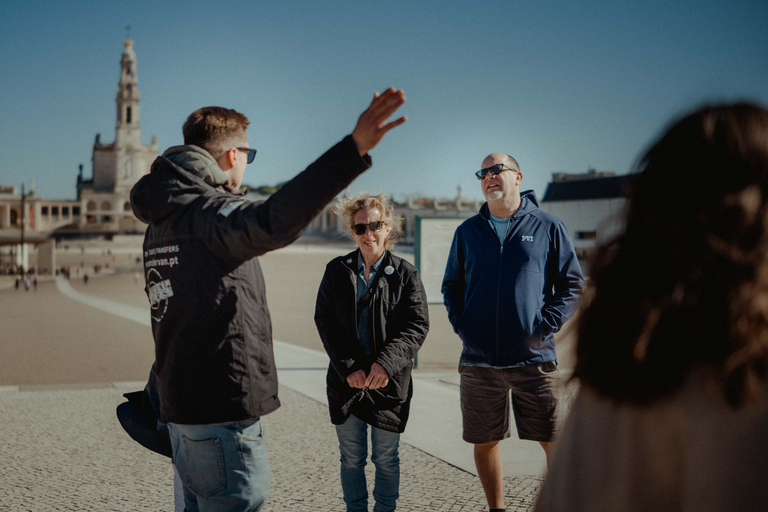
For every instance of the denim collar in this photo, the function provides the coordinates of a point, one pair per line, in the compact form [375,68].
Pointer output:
[374,267]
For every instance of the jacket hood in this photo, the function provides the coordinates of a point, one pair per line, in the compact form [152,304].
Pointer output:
[528,203]
[199,162]
[176,179]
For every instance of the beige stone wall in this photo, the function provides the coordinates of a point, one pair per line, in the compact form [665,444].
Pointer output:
[46,258]
[5,216]
[104,169]
[131,165]
[50,215]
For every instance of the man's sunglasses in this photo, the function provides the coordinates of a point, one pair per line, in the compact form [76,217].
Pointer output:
[494,170]
[375,227]
[251,153]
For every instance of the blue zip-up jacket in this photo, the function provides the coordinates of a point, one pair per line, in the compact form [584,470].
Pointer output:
[506,301]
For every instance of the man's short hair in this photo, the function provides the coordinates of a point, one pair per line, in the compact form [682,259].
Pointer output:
[516,165]
[215,129]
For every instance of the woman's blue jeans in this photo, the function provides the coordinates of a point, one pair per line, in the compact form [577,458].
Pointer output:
[353,444]
[223,467]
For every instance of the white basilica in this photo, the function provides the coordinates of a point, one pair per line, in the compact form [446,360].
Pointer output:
[118,165]
[102,206]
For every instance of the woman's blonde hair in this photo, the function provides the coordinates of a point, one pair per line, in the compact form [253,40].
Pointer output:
[347,207]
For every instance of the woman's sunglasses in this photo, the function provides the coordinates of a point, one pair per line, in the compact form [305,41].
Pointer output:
[375,227]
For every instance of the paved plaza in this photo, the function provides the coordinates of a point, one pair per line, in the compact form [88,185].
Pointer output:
[65,450]
[70,351]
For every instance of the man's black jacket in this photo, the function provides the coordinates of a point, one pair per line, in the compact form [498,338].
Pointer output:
[212,329]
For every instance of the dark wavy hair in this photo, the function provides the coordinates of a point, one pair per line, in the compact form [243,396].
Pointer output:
[686,281]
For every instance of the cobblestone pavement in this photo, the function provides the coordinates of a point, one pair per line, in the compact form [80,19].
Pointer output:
[63,449]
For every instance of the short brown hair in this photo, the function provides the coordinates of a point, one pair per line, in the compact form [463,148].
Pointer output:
[347,208]
[215,129]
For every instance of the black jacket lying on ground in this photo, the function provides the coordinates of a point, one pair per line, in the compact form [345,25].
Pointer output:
[400,321]
[212,329]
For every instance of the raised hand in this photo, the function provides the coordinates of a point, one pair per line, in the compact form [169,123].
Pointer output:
[371,125]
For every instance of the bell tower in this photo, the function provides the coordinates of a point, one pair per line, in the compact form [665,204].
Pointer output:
[118,165]
[128,129]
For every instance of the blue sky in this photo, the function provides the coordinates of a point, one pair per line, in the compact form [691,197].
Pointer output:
[560,85]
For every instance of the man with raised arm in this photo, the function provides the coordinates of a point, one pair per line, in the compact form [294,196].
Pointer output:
[216,372]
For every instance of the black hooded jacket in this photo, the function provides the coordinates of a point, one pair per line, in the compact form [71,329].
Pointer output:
[212,329]
[399,325]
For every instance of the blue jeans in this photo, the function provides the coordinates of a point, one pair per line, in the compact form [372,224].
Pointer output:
[353,444]
[223,467]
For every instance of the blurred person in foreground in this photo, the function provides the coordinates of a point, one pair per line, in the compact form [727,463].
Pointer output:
[672,413]
[215,367]
[372,317]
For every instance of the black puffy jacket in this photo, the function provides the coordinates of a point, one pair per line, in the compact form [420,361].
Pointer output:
[212,329]
[399,323]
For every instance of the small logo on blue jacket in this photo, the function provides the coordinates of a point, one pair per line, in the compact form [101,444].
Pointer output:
[527,238]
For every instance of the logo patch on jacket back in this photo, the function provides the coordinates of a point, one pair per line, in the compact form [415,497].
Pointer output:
[527,238]
[159,289]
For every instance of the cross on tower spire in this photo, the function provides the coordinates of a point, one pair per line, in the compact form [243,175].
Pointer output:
[128,126]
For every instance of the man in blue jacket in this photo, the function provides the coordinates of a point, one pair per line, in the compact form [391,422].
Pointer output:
[511,282]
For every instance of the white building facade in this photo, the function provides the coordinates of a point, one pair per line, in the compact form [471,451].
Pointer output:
[103,204]
[117,166]
[591,205]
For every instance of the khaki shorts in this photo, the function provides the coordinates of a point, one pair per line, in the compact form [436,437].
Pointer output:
[536,392]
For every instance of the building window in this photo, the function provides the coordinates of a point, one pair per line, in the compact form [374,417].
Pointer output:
[76,210]
[127,207]
[44,210]
[586,235]
[55,210]
[128,115]
[65,211]
[106,206]
[91,206]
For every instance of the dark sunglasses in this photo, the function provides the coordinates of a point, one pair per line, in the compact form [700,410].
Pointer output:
[494,169]
[251,153]
[375,227]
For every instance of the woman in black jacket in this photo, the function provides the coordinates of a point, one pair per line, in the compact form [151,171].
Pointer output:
[372,317]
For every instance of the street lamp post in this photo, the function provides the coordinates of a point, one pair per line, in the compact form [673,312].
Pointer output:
[23,222]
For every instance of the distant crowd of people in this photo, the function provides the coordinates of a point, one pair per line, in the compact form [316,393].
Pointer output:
[672,351]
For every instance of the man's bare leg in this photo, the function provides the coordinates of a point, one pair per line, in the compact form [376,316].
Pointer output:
[491,472]
[546,447]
